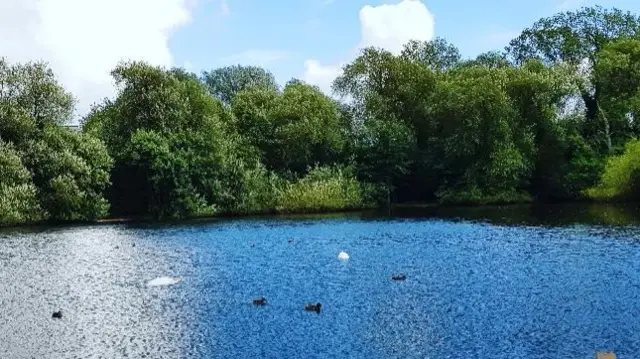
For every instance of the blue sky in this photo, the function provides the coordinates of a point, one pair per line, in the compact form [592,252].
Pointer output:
[281,35]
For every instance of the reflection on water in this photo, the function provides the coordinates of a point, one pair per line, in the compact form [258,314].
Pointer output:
[514,282]
[540,214]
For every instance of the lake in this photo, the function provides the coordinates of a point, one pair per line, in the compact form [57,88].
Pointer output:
[484,282]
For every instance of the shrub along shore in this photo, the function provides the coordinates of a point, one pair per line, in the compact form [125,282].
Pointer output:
[553,117]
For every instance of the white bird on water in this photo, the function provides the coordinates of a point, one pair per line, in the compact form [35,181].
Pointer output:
[343,256]
[163,281]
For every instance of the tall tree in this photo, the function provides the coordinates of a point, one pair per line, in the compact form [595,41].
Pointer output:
[576,38]
[491,59]
[384,87]
[225,82]
[69,170]
[618,75]
[175,155]
[436,54]
[294,130]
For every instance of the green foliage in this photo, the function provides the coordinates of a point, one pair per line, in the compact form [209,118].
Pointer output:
[621,177]
[436,54]
[30,98]
[325,189]
[573,36]
[181,155]
[577,38]
[294,130]
[71,171]
[18,195]
[617,74]
[226,82]
[384,152]
[472,195]
[68,172]
[492,59]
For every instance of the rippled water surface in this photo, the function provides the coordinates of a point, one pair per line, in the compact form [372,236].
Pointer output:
[474,289]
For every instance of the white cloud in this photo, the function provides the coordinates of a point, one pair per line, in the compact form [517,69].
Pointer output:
[83,40]
[321,75]
[256,57]
[386,26]
[391,26]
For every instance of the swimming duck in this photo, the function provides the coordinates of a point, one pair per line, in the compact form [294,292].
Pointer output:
[57,315]
[313,307]
[398,277]
[260,301]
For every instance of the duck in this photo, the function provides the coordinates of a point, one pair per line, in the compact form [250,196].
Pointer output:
[260,301]
[57,315]
[398,277]
[313,307]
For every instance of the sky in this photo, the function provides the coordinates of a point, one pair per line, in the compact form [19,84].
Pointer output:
[83,40]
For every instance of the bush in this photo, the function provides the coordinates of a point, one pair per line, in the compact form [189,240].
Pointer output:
[18,195]
[259,191]
[325,189]
[621,177]
[71,172]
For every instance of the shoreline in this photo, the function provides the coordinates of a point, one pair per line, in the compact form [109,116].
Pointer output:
[382,211]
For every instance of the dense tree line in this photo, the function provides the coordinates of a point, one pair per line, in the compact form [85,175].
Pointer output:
[552,117]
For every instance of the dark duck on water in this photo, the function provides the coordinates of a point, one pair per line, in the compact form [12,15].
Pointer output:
[313,307]
[260,301]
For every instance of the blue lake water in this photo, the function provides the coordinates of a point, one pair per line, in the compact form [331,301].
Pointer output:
[476,287]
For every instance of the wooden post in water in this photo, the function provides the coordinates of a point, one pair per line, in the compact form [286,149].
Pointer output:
[605,355]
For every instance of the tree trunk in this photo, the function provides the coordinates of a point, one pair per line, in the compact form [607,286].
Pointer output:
[607,129]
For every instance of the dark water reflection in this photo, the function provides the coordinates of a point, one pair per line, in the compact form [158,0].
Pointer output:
[509,282]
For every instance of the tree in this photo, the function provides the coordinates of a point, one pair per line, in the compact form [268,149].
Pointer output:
[385,87]
[69,170]
[491,59]
[436,54]
[252,110]
[175,152]
[18,196]
[576,38]
[226,82]
[309,131]
[384,152]
[30,99]
[295,130]
[617,74]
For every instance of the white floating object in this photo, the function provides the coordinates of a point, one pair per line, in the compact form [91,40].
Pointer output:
[162,281]
[343,256]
